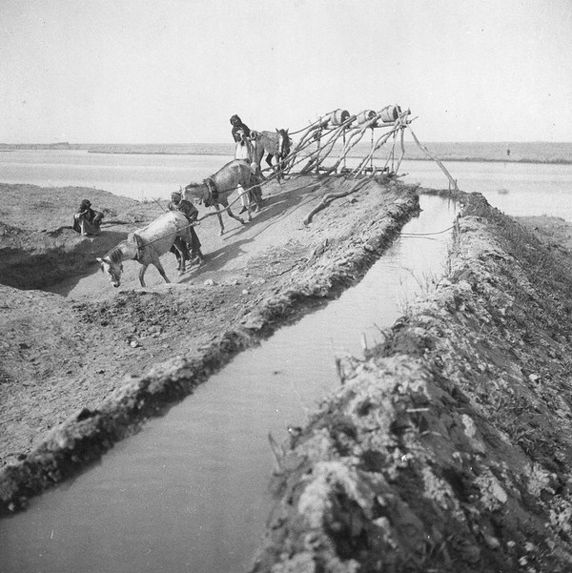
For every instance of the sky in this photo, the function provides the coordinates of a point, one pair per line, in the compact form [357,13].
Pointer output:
[174,71]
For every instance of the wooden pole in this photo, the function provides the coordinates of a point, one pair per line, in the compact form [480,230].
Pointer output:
[318,152]
[344,142]
[328,198]
[452,182]
[401,136]
[356,134]
[398,124]
[327,148]
[357,171]
[371,152]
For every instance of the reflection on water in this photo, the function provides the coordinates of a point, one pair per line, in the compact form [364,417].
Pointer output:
[531,189]
[189,493]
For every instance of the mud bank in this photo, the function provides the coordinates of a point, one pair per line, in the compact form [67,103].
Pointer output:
[38,247]
[449,446]
[210,322]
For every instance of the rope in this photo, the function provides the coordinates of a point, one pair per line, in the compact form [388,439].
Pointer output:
[355,188]
[427,234]
[217,212]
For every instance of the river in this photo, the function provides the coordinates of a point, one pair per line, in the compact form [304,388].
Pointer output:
[518,189]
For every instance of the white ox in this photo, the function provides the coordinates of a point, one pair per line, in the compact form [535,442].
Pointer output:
[146,246]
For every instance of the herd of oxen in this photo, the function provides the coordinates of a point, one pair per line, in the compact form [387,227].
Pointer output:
[172,230]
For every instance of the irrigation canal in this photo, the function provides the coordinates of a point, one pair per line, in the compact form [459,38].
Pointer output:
[190,491]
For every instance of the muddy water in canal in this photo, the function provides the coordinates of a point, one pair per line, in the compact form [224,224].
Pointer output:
[190,491]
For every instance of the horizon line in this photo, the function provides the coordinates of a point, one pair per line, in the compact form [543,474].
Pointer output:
[504,142]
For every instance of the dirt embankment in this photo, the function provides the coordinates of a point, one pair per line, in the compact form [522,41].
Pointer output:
[80,373]
[448,447]
[37,244]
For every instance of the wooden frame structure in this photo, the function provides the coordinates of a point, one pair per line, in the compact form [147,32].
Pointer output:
[336,133]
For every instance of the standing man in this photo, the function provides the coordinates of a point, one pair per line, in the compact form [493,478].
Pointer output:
[191,213]
[241,135]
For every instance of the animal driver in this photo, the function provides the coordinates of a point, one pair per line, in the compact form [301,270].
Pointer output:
[191,213]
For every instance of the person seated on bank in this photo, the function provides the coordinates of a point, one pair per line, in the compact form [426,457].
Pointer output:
[191,213]
[241,135]
[87,221]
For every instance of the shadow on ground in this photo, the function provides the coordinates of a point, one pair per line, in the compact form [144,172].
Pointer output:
[41,259]
[275,208]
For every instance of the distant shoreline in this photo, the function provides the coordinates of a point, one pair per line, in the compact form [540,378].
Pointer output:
[534,153]
[111,152]
[483,160]
[420,158]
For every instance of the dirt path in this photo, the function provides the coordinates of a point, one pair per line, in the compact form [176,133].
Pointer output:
[67,351]
[226,254]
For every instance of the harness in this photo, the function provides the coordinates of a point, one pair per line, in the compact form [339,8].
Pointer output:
[140,246]
[212,190]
